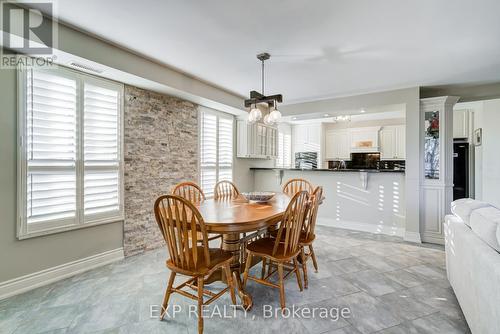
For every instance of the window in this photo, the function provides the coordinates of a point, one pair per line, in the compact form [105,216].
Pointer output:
[70,155]
[284,146]
[216,149]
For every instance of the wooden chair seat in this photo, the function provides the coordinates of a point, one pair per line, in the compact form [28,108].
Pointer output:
[304,239]
[217,258]
[264,247]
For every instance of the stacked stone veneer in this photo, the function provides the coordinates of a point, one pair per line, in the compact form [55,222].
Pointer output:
[161,150]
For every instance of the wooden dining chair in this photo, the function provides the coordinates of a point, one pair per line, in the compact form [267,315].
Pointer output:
[280,253]
[179,222]
[293,186]
[193,193]
[190,191]
[225,190]
[307,236]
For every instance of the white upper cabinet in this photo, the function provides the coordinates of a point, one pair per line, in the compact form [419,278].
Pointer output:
[461,123]
[257,141]
[307,137]
[365,139]
[393,142]
[337,145]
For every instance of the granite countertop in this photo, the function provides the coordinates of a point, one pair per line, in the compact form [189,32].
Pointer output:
[333,170]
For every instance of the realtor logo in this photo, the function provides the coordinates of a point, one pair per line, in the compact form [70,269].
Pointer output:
[28,33]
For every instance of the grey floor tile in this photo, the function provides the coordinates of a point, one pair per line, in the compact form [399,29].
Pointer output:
[327,317]
[406,306]
[368,314]
[372,282]
[427,271]
[432,324]
[347,266]
[344,330]
[109,313]
[404,260]
[442,299]
[49,319]
[439,323]
[405,278]
[379,263]
[10,319]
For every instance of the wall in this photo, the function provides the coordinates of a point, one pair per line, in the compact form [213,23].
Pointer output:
[487,159]
[18,258]
[161,150]
[380,208]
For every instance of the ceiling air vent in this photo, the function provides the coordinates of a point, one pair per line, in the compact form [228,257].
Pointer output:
[84,67]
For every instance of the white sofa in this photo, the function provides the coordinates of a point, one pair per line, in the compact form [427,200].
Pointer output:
[473,263]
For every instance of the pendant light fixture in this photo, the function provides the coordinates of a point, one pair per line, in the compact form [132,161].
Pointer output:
[267,102]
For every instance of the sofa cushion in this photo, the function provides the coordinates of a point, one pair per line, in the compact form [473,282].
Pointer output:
[498,234]
[462,208]
[485,223]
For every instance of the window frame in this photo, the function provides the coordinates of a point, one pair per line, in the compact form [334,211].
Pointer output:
[218,114]
[24,231]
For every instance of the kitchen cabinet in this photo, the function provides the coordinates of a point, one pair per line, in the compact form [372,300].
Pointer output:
[393,142]
[337,145]
[365,139]
[461,123]
[257,141]
[307,137]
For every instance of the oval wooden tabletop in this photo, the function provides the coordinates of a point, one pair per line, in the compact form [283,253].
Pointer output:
[238,216]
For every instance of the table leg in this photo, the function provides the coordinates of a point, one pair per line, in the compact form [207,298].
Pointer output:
[231,243]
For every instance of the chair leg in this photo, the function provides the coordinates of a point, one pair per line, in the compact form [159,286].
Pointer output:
[304,266]
[264,264]
[200,304]
[230,284]
[247,268]
[168,292]
[282,285]
[297,273]
[315,263]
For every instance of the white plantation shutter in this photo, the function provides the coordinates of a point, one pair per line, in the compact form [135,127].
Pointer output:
[208,159]
[69,150]
[284,146]
[101,151]
[216,149]
[225,149]
[51,146]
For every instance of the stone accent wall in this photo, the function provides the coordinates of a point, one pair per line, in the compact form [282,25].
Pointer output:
[161,150]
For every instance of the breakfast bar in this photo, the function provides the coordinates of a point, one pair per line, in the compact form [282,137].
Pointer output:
[371,200]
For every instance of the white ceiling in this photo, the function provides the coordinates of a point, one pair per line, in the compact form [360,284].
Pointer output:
[319,49]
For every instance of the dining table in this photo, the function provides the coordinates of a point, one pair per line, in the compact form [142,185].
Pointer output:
[240,221]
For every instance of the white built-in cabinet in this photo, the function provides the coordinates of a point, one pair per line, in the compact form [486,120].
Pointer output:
[337,145]
[392,142]
[257,141]
[437,183]
[461,123]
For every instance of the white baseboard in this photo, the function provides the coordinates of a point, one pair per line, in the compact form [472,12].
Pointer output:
[364,227]
[31,281]
[412,237]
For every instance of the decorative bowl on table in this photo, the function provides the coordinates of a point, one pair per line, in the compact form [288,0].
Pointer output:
[259,196]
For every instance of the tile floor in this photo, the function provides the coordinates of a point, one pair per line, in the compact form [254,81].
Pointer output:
[387,285]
